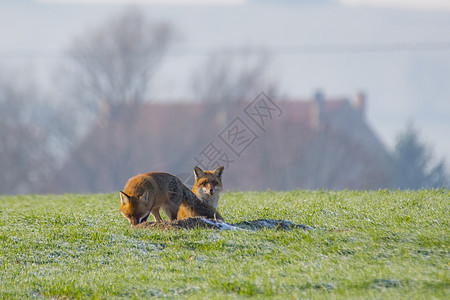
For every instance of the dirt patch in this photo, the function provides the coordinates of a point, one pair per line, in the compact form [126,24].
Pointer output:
[195,223]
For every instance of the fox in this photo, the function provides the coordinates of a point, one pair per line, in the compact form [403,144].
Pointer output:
[146,194]
[208,185]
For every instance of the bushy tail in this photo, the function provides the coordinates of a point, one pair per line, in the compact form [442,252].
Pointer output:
[193,207]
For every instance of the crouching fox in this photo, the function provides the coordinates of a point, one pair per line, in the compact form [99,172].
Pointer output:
[145,194]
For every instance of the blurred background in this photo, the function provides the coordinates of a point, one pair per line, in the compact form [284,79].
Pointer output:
[308,94]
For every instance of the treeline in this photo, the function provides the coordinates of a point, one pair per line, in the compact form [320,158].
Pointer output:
[112,67]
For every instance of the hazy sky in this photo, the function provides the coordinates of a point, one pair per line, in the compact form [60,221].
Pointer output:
[410,4]
[165,2]
[397,51]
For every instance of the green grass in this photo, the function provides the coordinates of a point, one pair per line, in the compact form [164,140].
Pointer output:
[383,244]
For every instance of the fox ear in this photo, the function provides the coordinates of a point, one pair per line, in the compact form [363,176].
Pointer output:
[124,198]
[144,197]
[218,171]
[198,173]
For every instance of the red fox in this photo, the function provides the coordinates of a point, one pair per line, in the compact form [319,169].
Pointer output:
[208,185]
[145,194]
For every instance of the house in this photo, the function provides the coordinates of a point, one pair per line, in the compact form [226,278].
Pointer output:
[264,144]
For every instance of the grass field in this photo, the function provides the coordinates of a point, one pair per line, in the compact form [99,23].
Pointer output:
[381,244]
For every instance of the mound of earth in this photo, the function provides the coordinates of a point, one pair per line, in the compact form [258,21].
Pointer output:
[197,222]
[189,223]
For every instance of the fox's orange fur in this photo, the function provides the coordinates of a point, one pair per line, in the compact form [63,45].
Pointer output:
[145,194]
[208,185]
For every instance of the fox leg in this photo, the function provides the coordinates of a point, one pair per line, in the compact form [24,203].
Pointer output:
[156,215]
[171,211]
[173,214]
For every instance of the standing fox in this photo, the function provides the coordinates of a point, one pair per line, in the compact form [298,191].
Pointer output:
[208,185]
[145,194]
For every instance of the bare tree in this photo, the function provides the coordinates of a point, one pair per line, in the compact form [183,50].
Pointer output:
[228,77]
[233,77]
[25,156]
[114,63]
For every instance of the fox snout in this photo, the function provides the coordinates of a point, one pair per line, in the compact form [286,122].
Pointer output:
[137,220]
[209,189]
[133,222]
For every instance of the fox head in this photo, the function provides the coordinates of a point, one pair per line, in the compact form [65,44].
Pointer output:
[135,209]
[208,183]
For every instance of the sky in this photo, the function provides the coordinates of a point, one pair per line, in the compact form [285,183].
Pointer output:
[396,51]
[164,2]
[408,4]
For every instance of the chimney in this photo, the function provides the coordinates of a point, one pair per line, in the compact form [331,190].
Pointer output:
[319,109]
